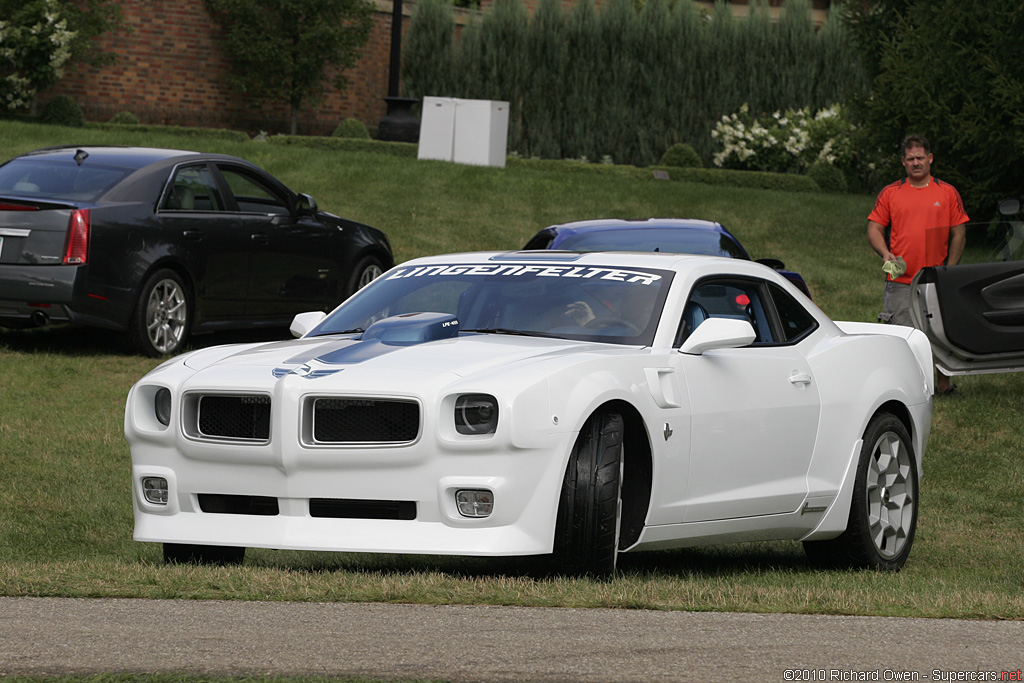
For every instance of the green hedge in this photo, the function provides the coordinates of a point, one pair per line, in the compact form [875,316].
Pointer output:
[398,149]
[218,133]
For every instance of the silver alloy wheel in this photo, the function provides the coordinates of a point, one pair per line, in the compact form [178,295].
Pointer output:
[369,274]
[890,495]
[166,316]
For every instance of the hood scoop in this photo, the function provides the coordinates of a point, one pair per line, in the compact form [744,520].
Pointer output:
[391,334]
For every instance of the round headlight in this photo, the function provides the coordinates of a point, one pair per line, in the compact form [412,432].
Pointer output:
[162,405]
[476,414]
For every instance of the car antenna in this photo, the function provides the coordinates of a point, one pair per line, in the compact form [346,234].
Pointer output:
[80,156]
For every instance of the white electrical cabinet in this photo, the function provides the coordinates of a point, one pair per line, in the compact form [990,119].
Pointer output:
[464,131]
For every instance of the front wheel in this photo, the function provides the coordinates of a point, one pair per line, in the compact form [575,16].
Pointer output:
[883,512]
[162,315]
[589,510]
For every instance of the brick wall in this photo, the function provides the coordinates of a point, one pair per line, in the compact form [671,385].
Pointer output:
[171,70]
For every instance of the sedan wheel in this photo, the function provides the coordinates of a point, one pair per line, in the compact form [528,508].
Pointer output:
[162,317]
[365,272]
[883,513]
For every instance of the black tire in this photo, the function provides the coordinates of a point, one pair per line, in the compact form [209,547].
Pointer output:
[589,510]
[184,553]
[163,315]
[883,512]
[368,269]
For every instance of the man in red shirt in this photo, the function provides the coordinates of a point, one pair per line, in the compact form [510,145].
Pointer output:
[926,220]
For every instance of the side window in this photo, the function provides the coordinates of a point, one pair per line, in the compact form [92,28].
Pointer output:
[736,299]
[796,320]
[193,189]
[252,194]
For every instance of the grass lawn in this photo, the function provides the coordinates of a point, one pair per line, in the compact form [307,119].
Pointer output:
[65,507]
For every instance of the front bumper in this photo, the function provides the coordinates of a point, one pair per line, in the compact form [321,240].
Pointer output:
[524,486]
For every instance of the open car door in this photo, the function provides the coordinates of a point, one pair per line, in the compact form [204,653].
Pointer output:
[973,312]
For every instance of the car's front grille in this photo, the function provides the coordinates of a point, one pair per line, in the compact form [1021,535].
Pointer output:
[223,504]
[364,420]
[244,417]
[339,508]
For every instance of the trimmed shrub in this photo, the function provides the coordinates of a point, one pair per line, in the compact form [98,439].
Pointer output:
[62,110]
[125,118]
[828,177]
[351,128]
[682,155]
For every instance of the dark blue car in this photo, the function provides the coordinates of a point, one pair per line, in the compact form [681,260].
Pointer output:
[672,235]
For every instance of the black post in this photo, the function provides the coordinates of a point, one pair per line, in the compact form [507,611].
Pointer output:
[399,124]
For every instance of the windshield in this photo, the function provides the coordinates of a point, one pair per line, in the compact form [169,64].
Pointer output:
[594,303]
[671,240]
[51,179]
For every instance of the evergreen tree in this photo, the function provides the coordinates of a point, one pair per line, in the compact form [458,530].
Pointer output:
[686,114]
[582,90]
[428,51]
[656,88]
[543,103]
[503,60]
[617,42]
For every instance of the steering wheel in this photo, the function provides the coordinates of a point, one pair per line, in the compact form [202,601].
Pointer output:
[610,321]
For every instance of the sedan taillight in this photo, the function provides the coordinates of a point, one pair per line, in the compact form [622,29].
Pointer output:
[76,248]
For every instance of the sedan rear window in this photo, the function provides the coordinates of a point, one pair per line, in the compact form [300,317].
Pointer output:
[673,241]
[63,180]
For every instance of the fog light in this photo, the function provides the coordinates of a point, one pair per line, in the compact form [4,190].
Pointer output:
[474,503]
[154,490]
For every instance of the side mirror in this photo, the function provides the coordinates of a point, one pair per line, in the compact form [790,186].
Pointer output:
[718,333]
[307,205]
[1009,207]
[304,322]
[773,263]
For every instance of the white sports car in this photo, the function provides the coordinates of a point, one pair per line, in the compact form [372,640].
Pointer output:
[571,405]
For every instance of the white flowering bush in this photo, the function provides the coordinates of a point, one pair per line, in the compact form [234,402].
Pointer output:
[783,142]
[35,44]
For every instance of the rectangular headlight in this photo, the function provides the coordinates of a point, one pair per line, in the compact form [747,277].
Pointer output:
[476,414]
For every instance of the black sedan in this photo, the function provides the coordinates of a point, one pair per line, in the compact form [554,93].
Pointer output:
[161,244]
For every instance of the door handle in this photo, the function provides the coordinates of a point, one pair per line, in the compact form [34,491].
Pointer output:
[260,239]
[800,378]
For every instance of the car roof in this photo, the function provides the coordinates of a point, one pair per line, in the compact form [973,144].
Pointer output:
[620,223]
[125,157]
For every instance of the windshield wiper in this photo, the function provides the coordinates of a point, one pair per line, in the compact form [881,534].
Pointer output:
[515,333]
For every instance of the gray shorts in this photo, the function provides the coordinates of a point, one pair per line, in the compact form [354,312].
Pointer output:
[897,304]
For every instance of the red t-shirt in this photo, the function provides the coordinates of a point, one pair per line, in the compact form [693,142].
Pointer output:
[919,218]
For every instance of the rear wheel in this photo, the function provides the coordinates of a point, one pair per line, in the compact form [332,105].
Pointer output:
[366,271]
[185,553]
[883,512]
[162,316]
[589,510]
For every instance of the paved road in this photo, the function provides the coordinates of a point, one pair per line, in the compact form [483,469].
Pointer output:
[43,636]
